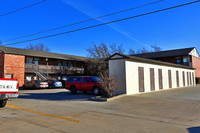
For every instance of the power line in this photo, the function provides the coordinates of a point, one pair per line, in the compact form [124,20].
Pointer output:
[144,14]
[22,8]
[84,21]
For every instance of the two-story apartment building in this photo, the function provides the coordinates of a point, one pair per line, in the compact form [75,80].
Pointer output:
[28,65]
[186,56]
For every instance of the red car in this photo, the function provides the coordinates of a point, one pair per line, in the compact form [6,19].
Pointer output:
[83,83]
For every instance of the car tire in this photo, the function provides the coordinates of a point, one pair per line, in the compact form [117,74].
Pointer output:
[96,91]
[3,103]
[73,90]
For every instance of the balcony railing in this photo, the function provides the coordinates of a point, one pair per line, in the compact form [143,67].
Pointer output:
[186,64]
[31,68]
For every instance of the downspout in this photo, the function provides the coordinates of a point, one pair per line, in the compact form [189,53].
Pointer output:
[3,63]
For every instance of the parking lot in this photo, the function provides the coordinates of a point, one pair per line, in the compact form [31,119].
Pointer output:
[58,111]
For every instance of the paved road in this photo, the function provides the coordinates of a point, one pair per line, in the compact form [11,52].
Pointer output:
[57,111]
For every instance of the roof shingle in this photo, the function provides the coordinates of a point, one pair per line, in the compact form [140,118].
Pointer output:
[17,51]
[168,53]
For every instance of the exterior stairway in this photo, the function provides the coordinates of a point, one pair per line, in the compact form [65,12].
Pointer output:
[43,76]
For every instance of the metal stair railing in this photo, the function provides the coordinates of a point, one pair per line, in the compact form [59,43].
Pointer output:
[43,76]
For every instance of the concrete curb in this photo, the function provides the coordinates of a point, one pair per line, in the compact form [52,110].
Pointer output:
[102,99]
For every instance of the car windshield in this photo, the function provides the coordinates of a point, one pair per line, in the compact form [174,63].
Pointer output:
[95,79]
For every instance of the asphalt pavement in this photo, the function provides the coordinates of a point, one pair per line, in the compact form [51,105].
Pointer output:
[58,111]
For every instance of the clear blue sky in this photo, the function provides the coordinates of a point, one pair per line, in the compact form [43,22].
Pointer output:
[177,28]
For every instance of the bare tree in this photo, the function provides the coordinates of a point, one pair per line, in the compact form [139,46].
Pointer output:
[108,82]
[98,65]
[116,49]
[38,47]
[98,55]
[131,52]
[156,48]
[142,51]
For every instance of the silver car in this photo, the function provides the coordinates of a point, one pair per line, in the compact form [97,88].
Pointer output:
[37,84]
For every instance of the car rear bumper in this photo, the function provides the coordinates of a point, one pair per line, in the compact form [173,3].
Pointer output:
[58,86]
[6,96]
[43,86]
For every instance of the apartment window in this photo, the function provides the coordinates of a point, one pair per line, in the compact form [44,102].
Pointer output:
[36,78]
[9,76]
[36,61]
[69,64]
[186,59]
[29,60]
[64,63]
[178,61]
[28,78]
[59,63]
[64,78]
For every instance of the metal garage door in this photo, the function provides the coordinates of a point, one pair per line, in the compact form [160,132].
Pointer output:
[193,78]
[170,78]
[160,78]
[188,79]
[152,79]
[183,78]
[177,78]
[141,79]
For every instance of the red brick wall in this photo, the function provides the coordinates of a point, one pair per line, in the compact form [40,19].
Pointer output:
[196,65]
[1,64]
[15,64]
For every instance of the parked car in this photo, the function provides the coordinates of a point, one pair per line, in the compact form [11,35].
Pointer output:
[63,82]
[54,84]
[84,83]
[37,84]
[8,89]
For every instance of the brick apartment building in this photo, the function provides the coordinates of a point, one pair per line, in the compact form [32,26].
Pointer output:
[28,65]
[187,56]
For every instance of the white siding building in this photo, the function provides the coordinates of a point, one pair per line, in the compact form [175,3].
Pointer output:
[138,75]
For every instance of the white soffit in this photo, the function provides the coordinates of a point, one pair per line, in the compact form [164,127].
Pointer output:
[117,57]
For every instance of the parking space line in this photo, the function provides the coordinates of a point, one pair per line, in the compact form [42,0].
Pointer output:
[55,116]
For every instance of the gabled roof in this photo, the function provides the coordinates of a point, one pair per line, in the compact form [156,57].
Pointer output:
[167,53]
[17,51]
[118,56]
